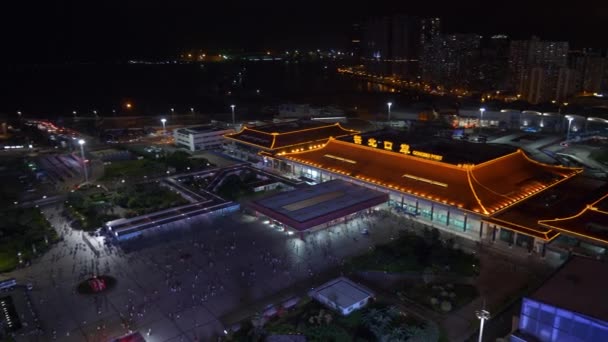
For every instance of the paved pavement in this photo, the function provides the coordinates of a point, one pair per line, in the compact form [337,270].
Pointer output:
[504,272]
[183,286]
[203,275]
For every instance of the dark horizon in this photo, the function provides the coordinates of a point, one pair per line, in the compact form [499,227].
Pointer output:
[73,31]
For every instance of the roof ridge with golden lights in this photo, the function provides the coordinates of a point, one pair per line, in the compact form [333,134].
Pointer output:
[569,225]
[273,136]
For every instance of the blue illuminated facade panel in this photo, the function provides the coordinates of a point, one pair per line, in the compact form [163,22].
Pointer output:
[547,323]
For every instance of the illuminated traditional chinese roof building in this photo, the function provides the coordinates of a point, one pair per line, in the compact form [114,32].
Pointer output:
[484,188]
[289,136]
[565,200]
[500,199]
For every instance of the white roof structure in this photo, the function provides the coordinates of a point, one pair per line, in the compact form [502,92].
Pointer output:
[342,292]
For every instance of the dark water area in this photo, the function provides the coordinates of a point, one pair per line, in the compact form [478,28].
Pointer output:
[58,90]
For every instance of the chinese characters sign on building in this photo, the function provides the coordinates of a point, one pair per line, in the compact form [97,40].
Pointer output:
[403,148]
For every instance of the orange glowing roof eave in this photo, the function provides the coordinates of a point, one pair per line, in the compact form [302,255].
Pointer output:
[561,167]
[545,223]
[227,136]
[517,227]
[552,223]
[351,131]
[485,211]
[522,153]
[274,136]
[527,197]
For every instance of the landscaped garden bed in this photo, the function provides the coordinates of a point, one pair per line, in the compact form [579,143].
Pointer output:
[441,297]
[378,322]
[414,253]
[24,231]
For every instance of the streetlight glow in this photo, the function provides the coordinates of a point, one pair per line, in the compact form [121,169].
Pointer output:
[569,125]
[81,142]
[389,104]
[164,121]
[232,108]
[481,110]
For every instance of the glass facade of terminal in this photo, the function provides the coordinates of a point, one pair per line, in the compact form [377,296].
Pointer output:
[547,323]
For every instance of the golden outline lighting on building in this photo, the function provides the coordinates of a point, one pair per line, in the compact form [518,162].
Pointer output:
[289,141]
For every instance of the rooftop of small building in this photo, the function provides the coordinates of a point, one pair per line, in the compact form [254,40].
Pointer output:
[452,151]
[343,292]
[579,286]
[201,129]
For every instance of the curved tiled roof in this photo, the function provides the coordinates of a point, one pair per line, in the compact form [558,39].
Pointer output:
[485,188]
[267,140]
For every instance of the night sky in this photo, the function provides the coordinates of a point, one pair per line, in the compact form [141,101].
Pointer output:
[96,30]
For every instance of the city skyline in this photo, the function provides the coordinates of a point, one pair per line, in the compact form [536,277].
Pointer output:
[71,31]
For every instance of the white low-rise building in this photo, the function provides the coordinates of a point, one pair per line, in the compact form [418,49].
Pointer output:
[198,138]
[343,295]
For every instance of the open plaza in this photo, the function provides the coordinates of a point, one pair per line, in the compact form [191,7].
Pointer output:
[188,283]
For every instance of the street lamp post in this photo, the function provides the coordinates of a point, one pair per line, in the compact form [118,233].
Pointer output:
[164,121]
[561,119]
[481,110]
[569,124]
[192,110]
[84,161]
[389,104]
[482,315]
[232,108]
[172,111]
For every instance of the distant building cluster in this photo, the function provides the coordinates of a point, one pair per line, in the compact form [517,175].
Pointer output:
[533,70]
